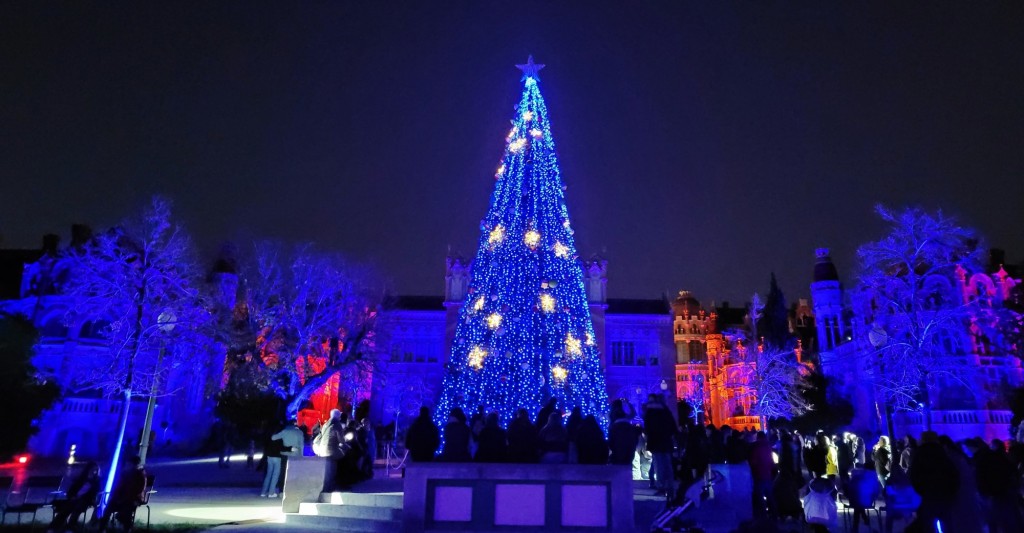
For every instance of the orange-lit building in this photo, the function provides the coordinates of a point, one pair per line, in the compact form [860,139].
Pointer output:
[711,371]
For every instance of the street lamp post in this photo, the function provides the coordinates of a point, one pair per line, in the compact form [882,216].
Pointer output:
[165,322]
[879,339]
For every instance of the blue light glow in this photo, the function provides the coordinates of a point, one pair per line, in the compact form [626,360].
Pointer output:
[524,332]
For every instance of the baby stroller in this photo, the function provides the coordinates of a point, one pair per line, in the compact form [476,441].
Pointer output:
[671,520]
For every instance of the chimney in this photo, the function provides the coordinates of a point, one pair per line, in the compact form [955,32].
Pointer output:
[50,242]
[80,234]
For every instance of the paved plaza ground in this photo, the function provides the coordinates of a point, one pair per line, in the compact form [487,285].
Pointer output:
[197,491]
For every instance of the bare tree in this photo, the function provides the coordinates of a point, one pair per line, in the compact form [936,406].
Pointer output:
[920,320]
[778,380]
[314,316]
[140,278]
[694,396]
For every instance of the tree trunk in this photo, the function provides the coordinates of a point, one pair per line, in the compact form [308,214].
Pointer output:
[927,404]
[307,390]
[115,460]
[129,382]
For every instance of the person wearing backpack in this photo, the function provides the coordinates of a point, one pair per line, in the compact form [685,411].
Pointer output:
[861,491]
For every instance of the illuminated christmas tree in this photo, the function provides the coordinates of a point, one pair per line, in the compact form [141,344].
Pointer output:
[524,333]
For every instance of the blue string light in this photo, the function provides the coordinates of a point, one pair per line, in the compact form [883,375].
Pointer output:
[524,332]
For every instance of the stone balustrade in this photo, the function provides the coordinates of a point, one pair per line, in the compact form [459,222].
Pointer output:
[958,424]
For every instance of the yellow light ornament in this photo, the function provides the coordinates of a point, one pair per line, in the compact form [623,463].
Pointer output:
[528,116]
[494,321]
[573,346]
[478,305]
[559,373]
[547,303]
[532,238]
[497,235]
[536,133]
[476,357]
[561,250]
[517,145]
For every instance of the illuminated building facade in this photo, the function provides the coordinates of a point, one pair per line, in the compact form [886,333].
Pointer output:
[972,404]
[645,346]
[712,374]
[30,282]
[633,338]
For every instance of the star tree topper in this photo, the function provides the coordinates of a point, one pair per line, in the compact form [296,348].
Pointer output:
[530,69]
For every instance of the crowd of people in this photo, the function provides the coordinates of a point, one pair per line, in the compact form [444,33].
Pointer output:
[923,484]
[555,437]
[935,483]
[932,485]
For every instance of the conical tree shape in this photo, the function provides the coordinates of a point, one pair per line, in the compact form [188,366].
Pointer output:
[525,333]
[773,327]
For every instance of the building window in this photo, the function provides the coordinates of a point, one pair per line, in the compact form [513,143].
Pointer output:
[698,352]
[623,353]
[682,353]
[53,328]
[95,329]
[411,351]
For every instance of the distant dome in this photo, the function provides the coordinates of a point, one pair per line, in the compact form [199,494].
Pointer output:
[824,270]
[685,304]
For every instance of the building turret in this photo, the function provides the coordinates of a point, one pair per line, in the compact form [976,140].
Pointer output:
[690,326]
[595,279]
[685,305]
[456,279]
[827,295]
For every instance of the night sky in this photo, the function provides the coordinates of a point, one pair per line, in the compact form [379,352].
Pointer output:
[704,145]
